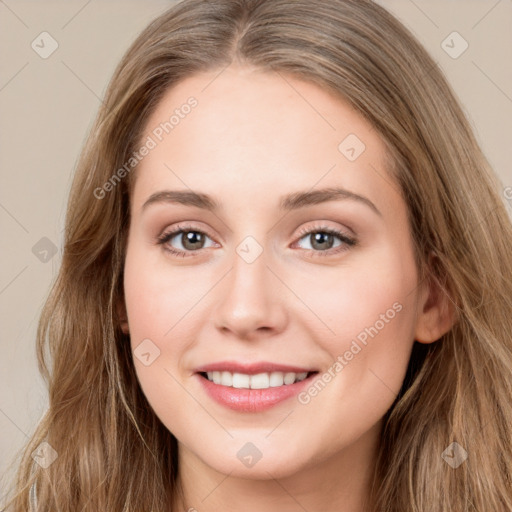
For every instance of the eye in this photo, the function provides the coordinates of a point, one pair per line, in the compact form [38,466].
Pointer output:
[190,239]
[322,238]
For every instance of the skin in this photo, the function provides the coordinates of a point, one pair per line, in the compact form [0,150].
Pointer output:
[253,138]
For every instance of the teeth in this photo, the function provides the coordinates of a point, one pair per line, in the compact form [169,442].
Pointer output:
[276,379]
[240,381]
[289,378]
[258,381]
[226,378]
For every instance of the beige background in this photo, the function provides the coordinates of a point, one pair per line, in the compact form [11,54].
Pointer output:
[47,106]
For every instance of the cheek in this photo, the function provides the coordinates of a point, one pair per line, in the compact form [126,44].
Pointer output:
[374,293]
[158,303]
[159,309]
[368,311]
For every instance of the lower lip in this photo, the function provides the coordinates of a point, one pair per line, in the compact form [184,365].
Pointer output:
[252,400]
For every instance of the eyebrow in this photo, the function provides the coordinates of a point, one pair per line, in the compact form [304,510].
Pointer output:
[288,202]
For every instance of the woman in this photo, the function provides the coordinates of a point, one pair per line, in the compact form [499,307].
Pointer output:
[250,371]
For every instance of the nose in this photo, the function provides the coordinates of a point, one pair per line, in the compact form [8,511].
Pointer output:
[250,304]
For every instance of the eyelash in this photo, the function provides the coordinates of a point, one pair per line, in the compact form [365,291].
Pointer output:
[348,241]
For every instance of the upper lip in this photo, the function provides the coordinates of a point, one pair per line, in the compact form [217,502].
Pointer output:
[251,368]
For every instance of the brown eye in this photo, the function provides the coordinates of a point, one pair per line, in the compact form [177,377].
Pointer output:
[322,241]
[192,240]
[186,239]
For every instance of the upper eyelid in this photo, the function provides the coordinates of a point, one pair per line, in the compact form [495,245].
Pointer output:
[183,226]
[180,228]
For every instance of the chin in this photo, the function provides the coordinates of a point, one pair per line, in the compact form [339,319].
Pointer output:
[246,460]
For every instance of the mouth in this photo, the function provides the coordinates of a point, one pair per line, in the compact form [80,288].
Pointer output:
[264,380]
[255,390]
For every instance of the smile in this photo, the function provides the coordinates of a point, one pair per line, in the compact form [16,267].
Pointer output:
[259,381]
[252,392]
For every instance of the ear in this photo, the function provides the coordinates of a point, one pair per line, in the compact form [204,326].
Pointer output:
[122,316]
[437,312]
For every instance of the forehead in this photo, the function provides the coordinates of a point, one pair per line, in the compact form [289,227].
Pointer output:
[250,132]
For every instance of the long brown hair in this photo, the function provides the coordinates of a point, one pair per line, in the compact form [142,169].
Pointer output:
[113,453]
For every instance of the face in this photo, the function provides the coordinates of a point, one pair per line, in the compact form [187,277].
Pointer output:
[299,264]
